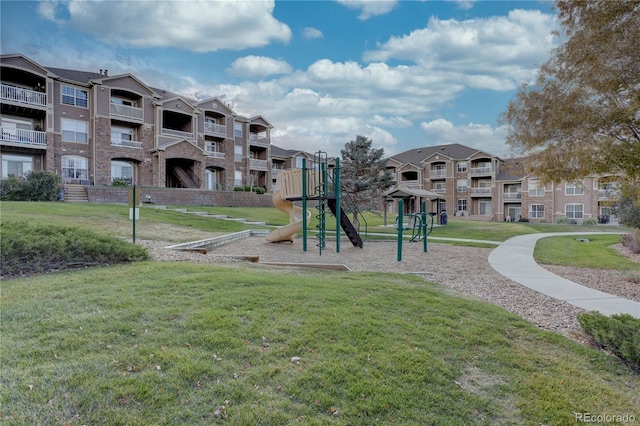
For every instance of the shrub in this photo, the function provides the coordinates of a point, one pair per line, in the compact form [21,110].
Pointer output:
[563,220]
[619,334]
[523,219]
[590,221]
[238,188]
[27,248]
[259,190]
[35,186]
[120,182]
[632,241]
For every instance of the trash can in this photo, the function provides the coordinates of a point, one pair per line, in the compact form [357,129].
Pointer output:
[443,217]
[61,194]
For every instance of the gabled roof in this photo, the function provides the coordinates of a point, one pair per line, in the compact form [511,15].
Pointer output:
[18,56]
[105,78]
[82,77]
[416,156]
[511,169]
[258,119]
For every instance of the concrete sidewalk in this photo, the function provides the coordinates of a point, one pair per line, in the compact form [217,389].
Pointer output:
[514,259]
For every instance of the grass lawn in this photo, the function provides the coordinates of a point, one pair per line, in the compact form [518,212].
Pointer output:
[169,343]
[595,254]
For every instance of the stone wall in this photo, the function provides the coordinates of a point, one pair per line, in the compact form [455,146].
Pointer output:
[180,197]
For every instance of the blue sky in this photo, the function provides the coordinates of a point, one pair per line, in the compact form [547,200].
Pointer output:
[405,74]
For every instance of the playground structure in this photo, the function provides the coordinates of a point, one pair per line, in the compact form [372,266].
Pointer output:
[320,183]
[420,224]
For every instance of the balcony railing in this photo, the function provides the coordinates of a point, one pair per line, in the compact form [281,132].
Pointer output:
[126,144]
[257,139]
[477,171]
[258,164]
[439,190]
[216,154]
[511,196]
[480,191]
[409,183]
[177,133]
[23,137]
[437,173]
[24,96]
[126,111]
[606,194]
[218,129]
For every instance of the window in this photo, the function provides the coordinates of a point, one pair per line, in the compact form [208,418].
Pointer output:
[462,185]
[573,211]
[462,167]
[120,101]
[120,135]
[74,167]
[573,189]
[75,131]
[237,129]
[122,170]
[15,165]
[536,211]
[237,178]
[73,96]
[299,162]
[484,207]
[535,189]
[462,205]
[238,153]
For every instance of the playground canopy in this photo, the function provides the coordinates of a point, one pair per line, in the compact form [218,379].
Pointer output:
[413,192]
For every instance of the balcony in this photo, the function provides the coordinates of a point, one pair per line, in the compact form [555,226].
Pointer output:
[215,154]
[126,144]
[258,164]
[23,96]
[439,190]
[177,133]
[126,111]
[512,196]
[23,137]
[437,174]
[480,192]
[409,184]
[256,139]
[608,194]
[481,171]
[215,129]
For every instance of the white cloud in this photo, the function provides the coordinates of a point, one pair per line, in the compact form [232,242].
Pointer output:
[369,8]
[495,53]
[311,33]
[200,26]
[258,66]
[481,136]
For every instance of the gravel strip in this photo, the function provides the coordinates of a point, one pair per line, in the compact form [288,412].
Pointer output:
[464,269]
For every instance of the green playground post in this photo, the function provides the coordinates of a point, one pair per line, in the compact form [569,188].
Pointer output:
[400,220]
[424,225]
[336,182]
[304,204]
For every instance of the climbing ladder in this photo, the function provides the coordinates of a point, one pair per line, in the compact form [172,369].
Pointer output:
[322,184]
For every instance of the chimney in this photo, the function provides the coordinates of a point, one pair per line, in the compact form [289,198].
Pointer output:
[105,72]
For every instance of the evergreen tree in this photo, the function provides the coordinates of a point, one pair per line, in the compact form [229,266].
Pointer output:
[364,174]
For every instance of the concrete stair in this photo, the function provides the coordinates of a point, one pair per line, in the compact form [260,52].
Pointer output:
[75,194]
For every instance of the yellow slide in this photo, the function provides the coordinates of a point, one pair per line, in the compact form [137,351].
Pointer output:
[288,184]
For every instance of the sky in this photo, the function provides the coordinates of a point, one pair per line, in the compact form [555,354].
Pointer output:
[405,74]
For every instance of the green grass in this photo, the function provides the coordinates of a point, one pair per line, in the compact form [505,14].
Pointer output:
[595,254]
[168,343]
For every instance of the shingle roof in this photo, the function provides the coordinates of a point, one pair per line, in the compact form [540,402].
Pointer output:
[511,169]
[454,151]
[73,75]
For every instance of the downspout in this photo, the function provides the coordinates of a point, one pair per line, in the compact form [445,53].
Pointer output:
[94,133]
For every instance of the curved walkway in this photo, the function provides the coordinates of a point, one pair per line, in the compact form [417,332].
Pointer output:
[514,259]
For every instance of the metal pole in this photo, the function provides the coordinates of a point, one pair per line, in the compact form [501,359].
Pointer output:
[400,220]
[336,182]
[424,224]
[304,204]
[134,214]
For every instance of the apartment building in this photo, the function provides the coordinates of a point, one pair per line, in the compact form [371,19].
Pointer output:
[93,128]
[477,184]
